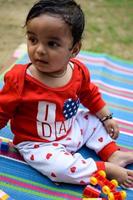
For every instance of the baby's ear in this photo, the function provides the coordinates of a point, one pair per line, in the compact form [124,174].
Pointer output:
[75,50]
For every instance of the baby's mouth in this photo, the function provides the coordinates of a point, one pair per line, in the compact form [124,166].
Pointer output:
[41,61]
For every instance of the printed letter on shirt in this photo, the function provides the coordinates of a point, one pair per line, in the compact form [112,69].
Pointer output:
[47,126]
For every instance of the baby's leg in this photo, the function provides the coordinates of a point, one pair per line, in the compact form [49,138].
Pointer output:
[121,158]
[122,175]
[53,161]
[107,149]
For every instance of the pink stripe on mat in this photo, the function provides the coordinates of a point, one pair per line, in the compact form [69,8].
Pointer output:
[37,188]
[125,130]
[104,62]
[115,90]
[124,149]
[125,123]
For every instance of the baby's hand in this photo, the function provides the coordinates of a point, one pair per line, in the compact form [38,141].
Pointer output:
[112,128]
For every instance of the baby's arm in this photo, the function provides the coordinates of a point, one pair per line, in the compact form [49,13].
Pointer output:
[91,98]
[110,124]
[8,100]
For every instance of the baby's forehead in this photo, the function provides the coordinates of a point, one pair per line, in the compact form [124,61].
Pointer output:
[48,23]
[49,20]
[49,27]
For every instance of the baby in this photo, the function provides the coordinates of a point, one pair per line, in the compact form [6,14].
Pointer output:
[41,100]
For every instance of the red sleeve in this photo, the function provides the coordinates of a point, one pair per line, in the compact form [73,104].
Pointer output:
[9,98]
[90,96]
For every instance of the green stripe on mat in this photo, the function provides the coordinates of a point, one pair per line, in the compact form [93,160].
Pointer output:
[121,108]
[118,78]
[42,185]
[7,185]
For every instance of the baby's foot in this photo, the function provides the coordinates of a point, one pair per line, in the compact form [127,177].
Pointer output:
[122,175]
[121,158]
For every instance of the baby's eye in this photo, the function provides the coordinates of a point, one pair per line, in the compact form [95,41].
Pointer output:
[33,40]
[53,44]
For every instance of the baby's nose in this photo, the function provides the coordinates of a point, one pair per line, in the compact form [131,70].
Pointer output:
[41,49]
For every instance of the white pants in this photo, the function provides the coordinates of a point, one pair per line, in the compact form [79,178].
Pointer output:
[59,160]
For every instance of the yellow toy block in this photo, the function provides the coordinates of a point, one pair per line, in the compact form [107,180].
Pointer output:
[3,195]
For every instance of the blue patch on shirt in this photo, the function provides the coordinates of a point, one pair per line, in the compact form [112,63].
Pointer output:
[70,108]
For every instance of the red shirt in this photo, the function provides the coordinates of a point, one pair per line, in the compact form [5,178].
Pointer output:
[41,113]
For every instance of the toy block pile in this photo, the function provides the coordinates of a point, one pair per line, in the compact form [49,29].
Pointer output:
[101,187]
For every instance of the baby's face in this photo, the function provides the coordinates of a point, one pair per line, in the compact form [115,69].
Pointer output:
[49,40]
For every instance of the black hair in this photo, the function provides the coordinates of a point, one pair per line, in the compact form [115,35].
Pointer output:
[69,10]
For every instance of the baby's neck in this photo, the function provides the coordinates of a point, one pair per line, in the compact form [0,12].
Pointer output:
[53,80]
[56,74]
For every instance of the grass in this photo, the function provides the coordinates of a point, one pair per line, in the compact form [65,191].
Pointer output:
[108,26]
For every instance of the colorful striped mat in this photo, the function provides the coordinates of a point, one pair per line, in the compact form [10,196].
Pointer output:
[115,79]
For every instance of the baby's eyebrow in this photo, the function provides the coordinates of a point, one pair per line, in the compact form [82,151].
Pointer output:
[54,38]
[30,33]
